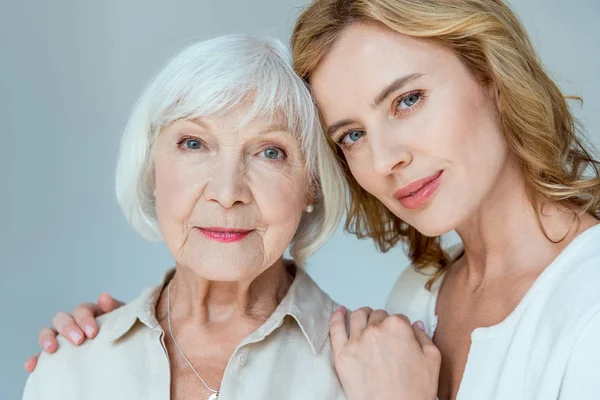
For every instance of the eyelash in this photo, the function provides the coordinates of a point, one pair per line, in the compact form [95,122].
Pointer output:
[184,139]
[395,111]
[396,103]
[284,154]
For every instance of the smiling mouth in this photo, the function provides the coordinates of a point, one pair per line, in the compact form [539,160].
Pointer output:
[419,192]
[224,235]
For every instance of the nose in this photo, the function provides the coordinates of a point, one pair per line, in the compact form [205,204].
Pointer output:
[228,185]
[388,152]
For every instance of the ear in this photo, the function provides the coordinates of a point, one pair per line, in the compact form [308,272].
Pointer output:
[311,193]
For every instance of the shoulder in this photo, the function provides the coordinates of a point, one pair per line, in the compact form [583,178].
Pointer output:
[580,379]
[56,373]
[572,287]
[409,296]
[66,373]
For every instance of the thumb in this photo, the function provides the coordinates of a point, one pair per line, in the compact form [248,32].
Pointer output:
[337,330]
[420,335]
[107,303]
[427,346]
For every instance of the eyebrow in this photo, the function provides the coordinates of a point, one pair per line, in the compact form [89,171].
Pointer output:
[274,128]
[383,94]
[199,122]
[340,124]
[392,87]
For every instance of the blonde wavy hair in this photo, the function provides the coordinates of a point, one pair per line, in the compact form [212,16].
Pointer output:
[558,165]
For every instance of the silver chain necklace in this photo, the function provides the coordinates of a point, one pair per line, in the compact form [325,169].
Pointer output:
[215,393]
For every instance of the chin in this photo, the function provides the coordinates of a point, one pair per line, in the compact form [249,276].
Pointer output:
[223,267]
[433,221]
[432,229]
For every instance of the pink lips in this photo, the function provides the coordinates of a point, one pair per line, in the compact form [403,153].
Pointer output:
[416,194]
[224,235]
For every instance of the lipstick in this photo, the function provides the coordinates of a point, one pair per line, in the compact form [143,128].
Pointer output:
[416,194]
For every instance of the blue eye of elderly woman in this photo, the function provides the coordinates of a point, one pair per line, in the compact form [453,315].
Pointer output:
[272,153]
[191,144]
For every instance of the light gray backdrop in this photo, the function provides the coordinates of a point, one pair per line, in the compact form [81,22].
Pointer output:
[69,74]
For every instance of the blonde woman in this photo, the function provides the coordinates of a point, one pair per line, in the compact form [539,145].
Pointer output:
[443,119]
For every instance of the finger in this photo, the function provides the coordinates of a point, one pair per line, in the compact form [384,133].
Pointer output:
[66,326]
[420,325]
[427,345]
[31,363]
[47,339]
[399,326]
[358,321]
[85,317]
[106,303]
[337,330]
[377,317]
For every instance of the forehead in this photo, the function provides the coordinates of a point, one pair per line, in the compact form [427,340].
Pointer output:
[367,57]
[245,119]
[239,121]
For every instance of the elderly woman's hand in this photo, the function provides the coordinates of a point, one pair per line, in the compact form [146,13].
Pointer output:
[76,327]
[384,357]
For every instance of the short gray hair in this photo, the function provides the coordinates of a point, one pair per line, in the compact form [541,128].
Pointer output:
[211,78]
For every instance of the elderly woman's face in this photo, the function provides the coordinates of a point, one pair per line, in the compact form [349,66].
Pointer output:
[229,197]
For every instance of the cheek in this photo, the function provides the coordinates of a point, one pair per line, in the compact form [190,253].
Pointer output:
[361,168]
[470,144]
[479,146]
[460,129]
[280,198]
[178,186]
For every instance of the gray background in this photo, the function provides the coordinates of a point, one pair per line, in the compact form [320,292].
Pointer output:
[69,74]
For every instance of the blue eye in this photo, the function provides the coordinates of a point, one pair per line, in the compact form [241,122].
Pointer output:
[192,144]
[351,137]
[273,153]
[409,101]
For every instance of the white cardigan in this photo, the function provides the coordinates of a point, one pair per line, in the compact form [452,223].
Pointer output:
[547,348]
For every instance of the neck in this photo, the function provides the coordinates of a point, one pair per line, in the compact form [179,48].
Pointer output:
[504,236]
[207,303]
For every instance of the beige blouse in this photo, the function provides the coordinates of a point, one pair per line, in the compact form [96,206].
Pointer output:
[288,357]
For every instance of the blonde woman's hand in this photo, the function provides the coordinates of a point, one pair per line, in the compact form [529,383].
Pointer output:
[384,356]
[76,327]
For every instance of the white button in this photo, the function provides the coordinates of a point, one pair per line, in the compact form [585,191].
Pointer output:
[242,359]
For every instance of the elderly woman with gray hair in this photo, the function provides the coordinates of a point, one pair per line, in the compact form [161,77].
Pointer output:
[219,159]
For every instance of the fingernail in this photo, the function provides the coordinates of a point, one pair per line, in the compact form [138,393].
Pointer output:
[89,331]
[47,344]
[75,337]
[27,365]
[420,325]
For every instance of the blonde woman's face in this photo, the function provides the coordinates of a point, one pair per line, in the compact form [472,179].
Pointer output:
[229,196]
[417,129]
